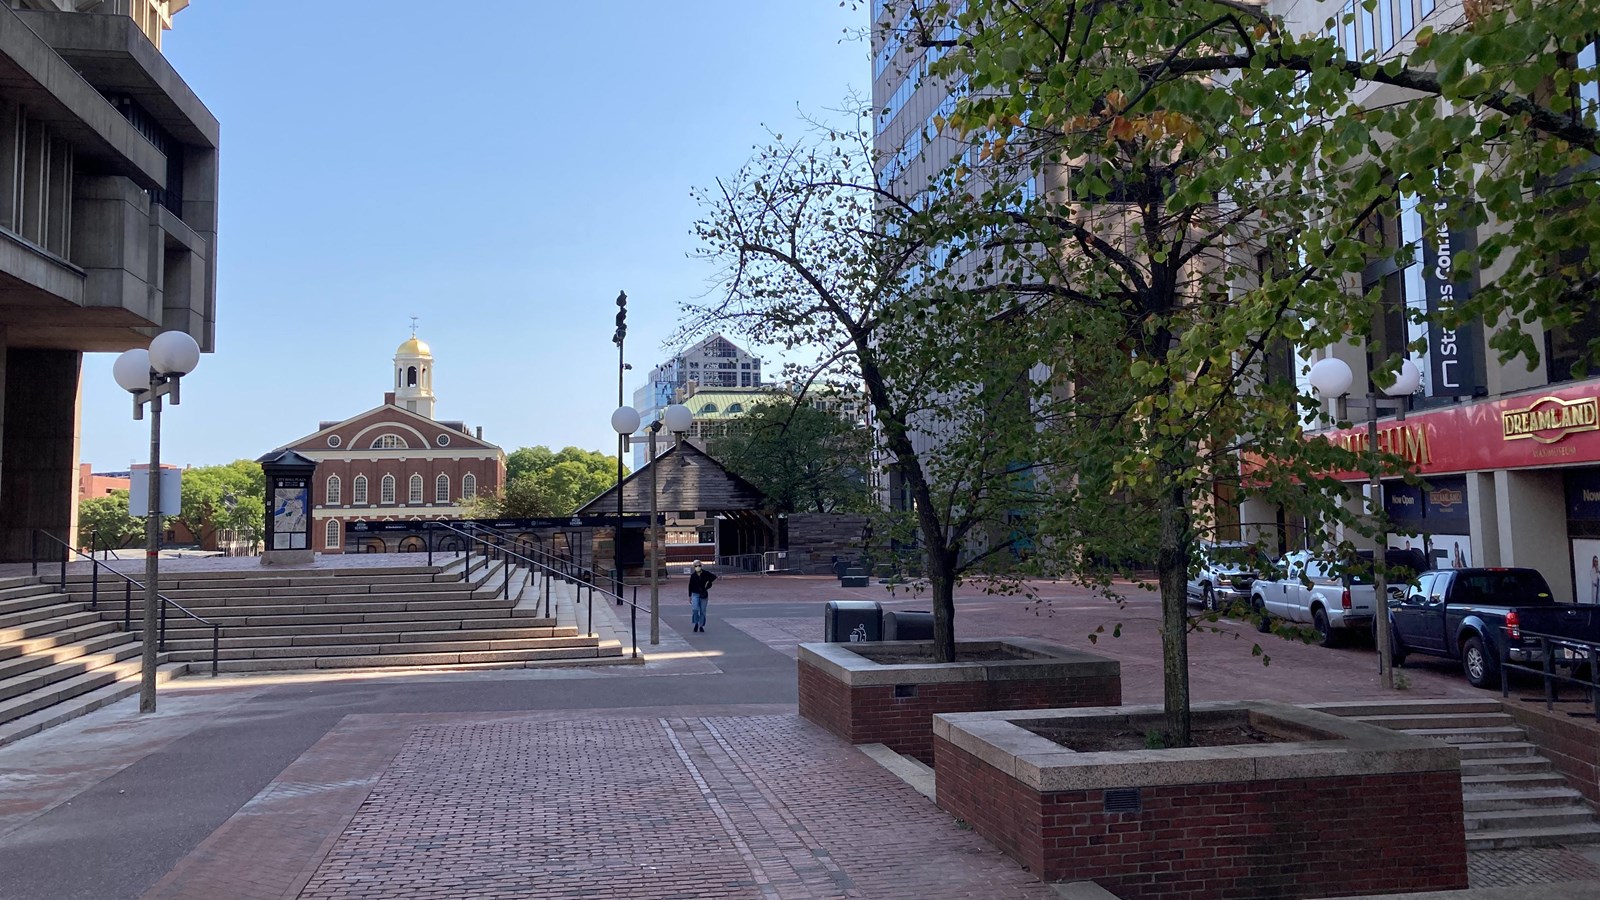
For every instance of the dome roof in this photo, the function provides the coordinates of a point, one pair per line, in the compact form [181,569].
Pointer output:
[413,347]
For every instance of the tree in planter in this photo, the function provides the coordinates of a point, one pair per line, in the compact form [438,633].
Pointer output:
[108,520]
[1208,183]
[804,458]
[814,253]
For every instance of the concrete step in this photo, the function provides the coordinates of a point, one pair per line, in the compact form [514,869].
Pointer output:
[1360,708]
[177,622]
[1439,721]
[345,590]
[23,592]
[1539,817]
[65,689]
[47,656]
[238,576]
[514,618]
[72,707]
[1522,798]
[1532,837]
[374,661]
[20,581]
[46,607]
[317,606]
[1497,750]
[361,637]
[26,682]
[1545,777]
[380,648]
[60,622]
[1461,736]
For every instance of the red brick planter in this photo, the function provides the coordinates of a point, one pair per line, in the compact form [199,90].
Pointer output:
[1342,809]
[866,702]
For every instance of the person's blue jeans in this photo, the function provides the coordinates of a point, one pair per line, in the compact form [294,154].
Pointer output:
[697,610]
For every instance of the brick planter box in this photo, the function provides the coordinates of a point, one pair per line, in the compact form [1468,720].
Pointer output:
[1341,808]
[867,702]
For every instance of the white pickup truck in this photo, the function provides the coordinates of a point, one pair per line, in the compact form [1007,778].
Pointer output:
[1315,592]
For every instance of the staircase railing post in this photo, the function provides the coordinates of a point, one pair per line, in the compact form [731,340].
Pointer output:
[36,551]
[591,610]
[94,584]
[427,533]
[161,641]
[633,625]
[127,606]
[64,554]
[216,642]
[505,588]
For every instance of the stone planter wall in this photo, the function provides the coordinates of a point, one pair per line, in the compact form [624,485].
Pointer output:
[865,702]
[1368,811]
[1572,744]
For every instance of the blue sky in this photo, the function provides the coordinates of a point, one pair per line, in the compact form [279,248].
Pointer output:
[499,170]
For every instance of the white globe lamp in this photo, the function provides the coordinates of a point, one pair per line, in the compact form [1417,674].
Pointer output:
[1331,377]
[625,420]
[174,353]
[677,418]
[1406,381]
[132,370]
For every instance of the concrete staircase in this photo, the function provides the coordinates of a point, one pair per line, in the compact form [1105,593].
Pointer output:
[366,617]
[59,659]
[1512,795]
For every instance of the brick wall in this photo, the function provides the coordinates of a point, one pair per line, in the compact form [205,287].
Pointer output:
[874,715]
[1306,837]
[1571,744]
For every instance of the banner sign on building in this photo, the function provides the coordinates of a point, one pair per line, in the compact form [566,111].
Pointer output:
[1446,504]
[1402,503]
[1583,495]
[1454,369]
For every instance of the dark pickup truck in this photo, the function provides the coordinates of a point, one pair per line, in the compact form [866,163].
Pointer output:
[1479,615]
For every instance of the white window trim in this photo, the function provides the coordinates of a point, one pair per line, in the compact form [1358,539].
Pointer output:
[358,491]
[330,538]
[441,489]
[335,491]
[469,486]
[414,488]
[386,491]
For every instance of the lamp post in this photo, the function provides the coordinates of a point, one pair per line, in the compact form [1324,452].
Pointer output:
[1332,378]
[618,338]
[625,421]
[150,375]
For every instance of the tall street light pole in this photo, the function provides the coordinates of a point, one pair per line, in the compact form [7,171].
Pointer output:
[150,375]
[1332,378]
[618,338]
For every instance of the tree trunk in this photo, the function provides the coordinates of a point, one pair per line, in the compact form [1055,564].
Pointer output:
[1172,573]
[942,586]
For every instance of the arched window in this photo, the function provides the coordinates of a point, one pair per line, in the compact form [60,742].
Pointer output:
[335,491]
[736,408]
[359,490]
[397,376]
[416,489]
[708,408]
[386,491]
[411,376]
[469,486]
[331,540]
[389,442]
[441,490]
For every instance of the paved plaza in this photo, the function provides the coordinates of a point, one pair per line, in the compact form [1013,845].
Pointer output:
[689,776]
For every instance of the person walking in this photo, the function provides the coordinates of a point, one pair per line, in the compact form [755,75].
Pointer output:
[699,587]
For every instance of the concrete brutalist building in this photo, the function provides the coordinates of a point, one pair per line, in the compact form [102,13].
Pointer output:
[108,226]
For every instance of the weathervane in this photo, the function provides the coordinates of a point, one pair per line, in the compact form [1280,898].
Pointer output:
[413,326]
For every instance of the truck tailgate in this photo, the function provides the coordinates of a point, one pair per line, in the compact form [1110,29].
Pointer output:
[1561,620]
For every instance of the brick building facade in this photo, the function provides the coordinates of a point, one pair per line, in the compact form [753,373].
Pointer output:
[394,462]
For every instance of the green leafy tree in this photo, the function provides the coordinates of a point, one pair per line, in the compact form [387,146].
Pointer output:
[804,458]
[223,498]
[1174,146]
[107,520]
[541,482]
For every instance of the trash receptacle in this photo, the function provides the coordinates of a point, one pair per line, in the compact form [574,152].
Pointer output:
[852,621]
[907,625]
[853,577]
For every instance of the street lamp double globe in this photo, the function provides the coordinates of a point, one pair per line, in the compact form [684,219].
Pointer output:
[150,375]
[625,421]
[1332,378]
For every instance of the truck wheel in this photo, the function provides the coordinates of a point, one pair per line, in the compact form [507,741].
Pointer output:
[1325,634]
[1483,670]
[1208,598]
[1258,610]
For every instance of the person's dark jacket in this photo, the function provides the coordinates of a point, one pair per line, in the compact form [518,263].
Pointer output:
[700,581]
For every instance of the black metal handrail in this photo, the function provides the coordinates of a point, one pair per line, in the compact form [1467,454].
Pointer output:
[128,584]
[501,543]
[1577,653]
[587,575]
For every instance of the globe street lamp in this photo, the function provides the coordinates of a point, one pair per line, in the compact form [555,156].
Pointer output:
[1332,378]
[625,421]
[677,420]
[150,375]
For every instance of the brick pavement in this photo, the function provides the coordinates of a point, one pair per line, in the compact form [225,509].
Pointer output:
[1533,865]
[629,804]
